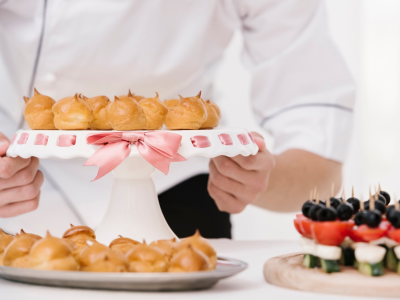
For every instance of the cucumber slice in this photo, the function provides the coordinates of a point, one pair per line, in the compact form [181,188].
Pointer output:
[347,258]
[329,266]
[371,269]
[391,261]
[310,261]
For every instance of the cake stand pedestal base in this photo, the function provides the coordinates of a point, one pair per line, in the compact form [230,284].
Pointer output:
[134,210]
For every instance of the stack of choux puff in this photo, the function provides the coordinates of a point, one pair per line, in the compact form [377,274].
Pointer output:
[78,250]
[125,112]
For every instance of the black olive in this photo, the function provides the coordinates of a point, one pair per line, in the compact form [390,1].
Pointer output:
[382,199]
[355,202]
[373,218]
[395,218]
[389,210]
[335,202]
[378,205]
[386,195]
[345,211]
[313,212]
[322,203]
[359,219]
[305,209]
[326,214]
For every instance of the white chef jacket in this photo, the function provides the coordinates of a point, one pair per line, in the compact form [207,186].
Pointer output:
[302,93]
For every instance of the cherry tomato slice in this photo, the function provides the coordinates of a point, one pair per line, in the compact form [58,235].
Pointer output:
[394,234]
[305,227]
[363,233]
[297,226]
[330,233]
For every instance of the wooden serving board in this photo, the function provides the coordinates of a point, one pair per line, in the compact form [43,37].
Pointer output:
[287,271]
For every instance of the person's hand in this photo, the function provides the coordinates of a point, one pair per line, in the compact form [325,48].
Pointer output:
[20,183]
[235,182]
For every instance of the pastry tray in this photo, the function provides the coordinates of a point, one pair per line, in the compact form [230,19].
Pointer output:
[226,267]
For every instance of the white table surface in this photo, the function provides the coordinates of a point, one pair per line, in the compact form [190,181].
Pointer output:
[249,284]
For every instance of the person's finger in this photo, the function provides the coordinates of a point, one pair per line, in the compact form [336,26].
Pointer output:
[225,183]
[259,140]
[22,193]
[22,177]
[9,166]
[19,208]
[260,161]
[225,201]
[229,168]
[4,143]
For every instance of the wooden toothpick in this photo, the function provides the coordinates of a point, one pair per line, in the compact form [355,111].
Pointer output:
[343,196]
[371,201]
[317,200]
[315,193]
[333,190]
[328,202]
[352,191]
[361,202]
[396,203]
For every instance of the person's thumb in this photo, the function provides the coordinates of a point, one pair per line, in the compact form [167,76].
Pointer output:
[4,143]
[259,140]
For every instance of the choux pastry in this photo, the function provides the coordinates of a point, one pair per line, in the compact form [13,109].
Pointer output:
[5,240]
[212,116]
[38,111]
[167,246]
[52,253]
[123,244]
[136,97]
[125,113]
[79,235]
[72,113]
[189,259]
[38,237]
[144,258]
[17,252]
[189,113]
[100,258]
[201,244]
[171,102]
[99,107]
[155,112]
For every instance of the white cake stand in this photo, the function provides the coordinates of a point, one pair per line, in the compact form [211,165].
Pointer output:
[134,210]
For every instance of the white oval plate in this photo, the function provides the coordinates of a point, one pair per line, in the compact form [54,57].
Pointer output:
[226,267]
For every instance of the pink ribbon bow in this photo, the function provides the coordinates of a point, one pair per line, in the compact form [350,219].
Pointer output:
[157,147]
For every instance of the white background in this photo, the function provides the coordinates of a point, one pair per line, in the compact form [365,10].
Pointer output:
[367,33]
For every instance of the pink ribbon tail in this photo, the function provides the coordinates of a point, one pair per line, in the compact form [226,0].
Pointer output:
[108,157]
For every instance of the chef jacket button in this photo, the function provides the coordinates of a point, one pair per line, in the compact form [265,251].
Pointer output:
[50,77]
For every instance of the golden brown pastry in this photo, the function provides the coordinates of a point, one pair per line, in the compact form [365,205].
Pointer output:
[189,259]
[189,113]
[38,111]
[100,258]
[216,107]
[99,107]
[52,253]
[212,116]
[136,97]
[125,113]
[17,252]
[79,235]
[144,258]
[123,244]
[167,246]
[171,102]
[201,244]
[38,237]
[155,112]
[72,113]
[5,240]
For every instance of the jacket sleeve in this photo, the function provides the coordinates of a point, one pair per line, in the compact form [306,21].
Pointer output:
[302,92]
